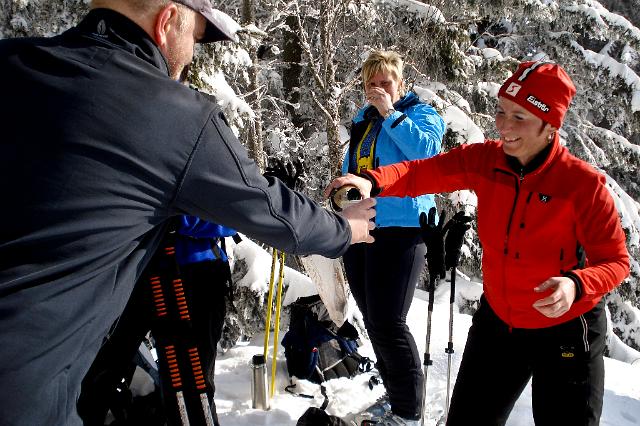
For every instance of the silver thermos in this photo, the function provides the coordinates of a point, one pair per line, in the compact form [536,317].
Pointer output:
[259,383]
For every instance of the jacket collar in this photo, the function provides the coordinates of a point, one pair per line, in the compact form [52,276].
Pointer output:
[539,163]
[116,29]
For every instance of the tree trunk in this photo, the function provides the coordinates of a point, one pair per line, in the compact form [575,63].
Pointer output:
[254,134]
[292,56]
[327,12]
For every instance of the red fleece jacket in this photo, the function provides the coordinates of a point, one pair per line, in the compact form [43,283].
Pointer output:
[529,226]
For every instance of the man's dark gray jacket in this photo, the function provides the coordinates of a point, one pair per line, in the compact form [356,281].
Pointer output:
[99,148]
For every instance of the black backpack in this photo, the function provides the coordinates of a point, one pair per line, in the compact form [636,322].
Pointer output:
[318,417]
[316,349]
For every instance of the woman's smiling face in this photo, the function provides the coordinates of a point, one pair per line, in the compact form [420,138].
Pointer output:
[523,134]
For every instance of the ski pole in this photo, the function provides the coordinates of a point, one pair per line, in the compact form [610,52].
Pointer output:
[449,350]
[276,330]
[433,237]
[431,286]
[457,226]
[267,326]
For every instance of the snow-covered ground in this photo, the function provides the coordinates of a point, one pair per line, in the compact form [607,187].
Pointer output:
[233,377]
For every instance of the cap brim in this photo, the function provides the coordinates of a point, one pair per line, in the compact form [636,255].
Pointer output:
[220,27]
[213,34]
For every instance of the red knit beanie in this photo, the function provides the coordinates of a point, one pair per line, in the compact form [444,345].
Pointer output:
[544,89]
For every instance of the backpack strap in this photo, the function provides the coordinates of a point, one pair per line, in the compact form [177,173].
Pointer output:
[178,353]
[325,403]
[323,390]
[228,279]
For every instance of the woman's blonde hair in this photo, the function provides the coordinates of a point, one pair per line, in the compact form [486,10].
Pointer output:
[384,61]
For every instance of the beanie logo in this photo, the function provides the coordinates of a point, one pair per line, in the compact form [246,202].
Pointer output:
[513,89]
[537,103]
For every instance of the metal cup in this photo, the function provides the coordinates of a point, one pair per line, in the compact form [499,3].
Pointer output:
[344,196]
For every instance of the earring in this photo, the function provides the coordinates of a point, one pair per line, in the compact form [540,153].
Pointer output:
[551,137]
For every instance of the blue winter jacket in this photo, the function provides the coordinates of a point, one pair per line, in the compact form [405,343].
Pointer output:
[414,131]
[198,240]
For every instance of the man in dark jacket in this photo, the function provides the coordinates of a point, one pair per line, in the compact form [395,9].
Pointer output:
[100,147]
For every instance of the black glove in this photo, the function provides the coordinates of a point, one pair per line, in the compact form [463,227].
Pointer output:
[433,236]
[289,173]
[455,228]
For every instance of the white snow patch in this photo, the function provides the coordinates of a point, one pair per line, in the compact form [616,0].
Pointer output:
[233,375]
[490,88]
[258,276]
[491,54]
[617,349]
[426,11]
[465,198]
[225,94]
[464,126]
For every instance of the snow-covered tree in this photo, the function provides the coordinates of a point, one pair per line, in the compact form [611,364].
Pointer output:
[292,85]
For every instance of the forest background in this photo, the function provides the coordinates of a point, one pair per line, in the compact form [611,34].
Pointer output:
[291,85]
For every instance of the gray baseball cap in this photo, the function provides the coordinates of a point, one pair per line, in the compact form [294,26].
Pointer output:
[220,26]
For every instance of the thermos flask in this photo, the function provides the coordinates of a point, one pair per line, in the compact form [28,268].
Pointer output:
[259,383]
[344,196]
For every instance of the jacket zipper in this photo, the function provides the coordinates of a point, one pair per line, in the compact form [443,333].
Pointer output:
[519,179]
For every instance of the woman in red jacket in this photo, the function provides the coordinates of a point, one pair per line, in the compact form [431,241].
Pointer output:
[552,248]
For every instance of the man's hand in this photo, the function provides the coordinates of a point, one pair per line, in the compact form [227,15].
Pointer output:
[359,217]
[560,300]
[363,185]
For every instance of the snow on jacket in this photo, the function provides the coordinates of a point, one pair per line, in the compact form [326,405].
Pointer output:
[530,225]
[100,148]
[414,131]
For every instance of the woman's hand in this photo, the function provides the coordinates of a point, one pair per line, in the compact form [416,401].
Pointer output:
[363,185]
[560,300]
[380,99]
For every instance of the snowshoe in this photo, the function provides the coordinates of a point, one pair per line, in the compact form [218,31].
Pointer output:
[390,419]
[374,413]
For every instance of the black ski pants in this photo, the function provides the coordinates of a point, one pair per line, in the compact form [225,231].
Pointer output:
[564,362]
[383,277]
[205,286]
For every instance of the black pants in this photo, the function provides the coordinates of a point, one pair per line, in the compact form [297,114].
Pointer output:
[565,363]
[383,277]
[205,286]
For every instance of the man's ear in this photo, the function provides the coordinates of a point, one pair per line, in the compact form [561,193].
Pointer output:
[166,20]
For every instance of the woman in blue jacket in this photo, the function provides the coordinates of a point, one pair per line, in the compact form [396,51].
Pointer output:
[393,126]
